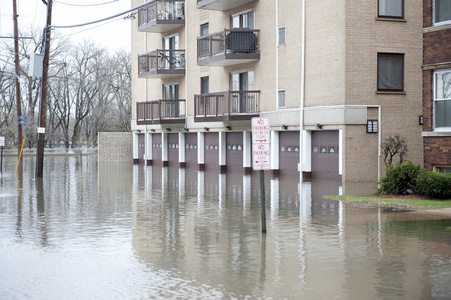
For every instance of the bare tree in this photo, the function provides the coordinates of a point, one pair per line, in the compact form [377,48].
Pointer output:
[393,145]
[89,91]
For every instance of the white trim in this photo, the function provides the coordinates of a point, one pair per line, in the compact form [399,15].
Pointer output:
[434,100]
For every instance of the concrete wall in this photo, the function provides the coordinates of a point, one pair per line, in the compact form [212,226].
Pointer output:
[115,147]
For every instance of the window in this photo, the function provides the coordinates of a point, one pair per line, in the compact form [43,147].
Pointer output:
[442,99]
[371,126]
[204,85]
[204,28]
[282,38]
[242,96]
[442,11]
[391,8]
[282,98]
[171,108]
[243,20]
[390,72]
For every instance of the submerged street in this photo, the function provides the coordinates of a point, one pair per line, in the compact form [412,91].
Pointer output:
[121,231]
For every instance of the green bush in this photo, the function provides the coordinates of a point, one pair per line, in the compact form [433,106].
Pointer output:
[399,179]
[434,185]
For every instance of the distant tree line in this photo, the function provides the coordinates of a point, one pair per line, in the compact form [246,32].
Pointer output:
[89,90]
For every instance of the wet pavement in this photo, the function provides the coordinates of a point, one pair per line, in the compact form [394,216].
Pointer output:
[118,231]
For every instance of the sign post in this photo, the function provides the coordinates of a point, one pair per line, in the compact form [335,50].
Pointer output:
[261,148]
[2,144]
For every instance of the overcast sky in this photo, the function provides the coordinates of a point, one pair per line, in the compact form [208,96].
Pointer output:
[113,34]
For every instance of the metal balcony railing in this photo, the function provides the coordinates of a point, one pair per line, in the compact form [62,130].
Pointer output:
[161,111]
[161,10]
[229,41]
[227,104]
[161,60]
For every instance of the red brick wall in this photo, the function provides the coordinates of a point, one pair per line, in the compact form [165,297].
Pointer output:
[427,100]
[427,13]
[437,46]
[437,151]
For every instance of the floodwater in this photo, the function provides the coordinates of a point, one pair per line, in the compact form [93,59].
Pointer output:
[118,231]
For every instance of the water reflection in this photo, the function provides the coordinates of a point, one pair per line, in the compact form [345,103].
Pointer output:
[117,231]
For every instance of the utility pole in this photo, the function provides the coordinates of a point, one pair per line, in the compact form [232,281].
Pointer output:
[17,69]
[43,104]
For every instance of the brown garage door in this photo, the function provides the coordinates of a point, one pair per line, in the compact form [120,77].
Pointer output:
[289,152]
[191,150]
[141,147]
[234,151]
[156,149]
[325,154]
[212,151]
[173,151]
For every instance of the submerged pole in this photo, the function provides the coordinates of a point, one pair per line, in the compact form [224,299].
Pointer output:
[262,200]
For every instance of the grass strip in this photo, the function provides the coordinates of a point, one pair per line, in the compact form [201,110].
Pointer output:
[429,204]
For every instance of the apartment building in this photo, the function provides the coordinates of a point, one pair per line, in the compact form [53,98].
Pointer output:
[333,79]
[437,85]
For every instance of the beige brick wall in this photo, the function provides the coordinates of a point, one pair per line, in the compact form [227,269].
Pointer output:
[342,41]
[115,147]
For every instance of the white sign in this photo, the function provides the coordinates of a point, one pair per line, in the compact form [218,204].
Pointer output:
[41,129]
[2,141]
[261,147]
[260,130]
[261,155]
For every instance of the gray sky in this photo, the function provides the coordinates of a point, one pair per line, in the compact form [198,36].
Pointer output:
[113,34]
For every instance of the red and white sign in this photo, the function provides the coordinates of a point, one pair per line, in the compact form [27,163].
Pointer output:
[261,155]
[260,130]
[261,146]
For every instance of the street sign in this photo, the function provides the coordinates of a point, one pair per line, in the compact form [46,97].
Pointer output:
[261,146]
[261,155]
[260,130]
[2,141]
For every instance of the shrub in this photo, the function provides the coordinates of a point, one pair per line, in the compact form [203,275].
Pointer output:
[434,185]
[399,179]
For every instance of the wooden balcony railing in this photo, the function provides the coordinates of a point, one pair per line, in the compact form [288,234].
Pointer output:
[229,105]
[229,41]
[161,60]
[161,112]
[161,10]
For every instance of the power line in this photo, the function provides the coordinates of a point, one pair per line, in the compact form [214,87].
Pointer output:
[101,20]
[86,5]
[90,28]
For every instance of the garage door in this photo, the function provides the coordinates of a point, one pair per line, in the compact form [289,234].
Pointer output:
[234,151]
[289,152]
[212,151]
[156,149]
[325,154]
[191,150]
[173,149]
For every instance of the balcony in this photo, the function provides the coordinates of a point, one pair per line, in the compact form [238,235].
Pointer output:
[161,64]
[161,112]
[161,16]
[220,4]
[226,106]
[228,47]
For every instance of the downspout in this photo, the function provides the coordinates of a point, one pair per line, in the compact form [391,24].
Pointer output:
[301,112]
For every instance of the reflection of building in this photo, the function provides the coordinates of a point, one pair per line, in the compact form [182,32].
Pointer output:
[437,85]
[316,248]
[202,70]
